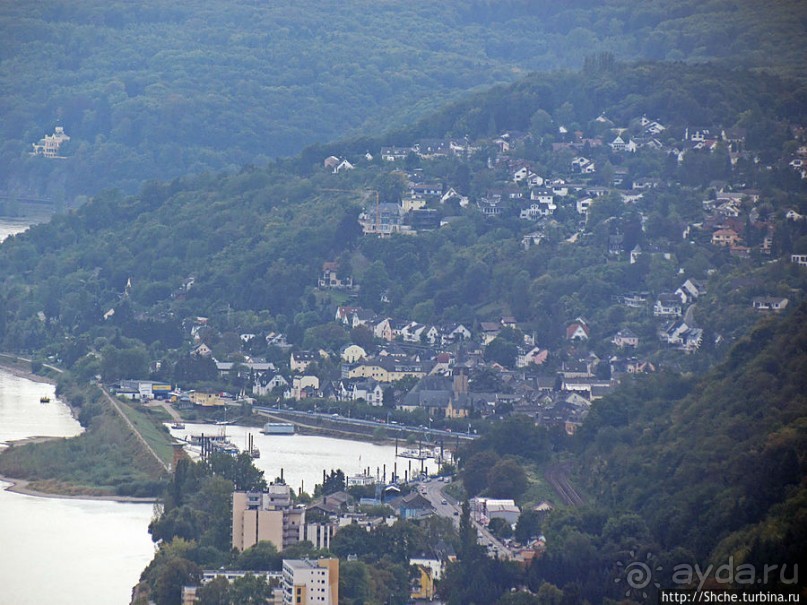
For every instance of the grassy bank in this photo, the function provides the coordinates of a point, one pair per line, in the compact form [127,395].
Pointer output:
[149,425]
[106,460]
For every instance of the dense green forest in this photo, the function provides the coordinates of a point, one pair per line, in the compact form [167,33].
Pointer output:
[254,242]
[680,472]
[151,90]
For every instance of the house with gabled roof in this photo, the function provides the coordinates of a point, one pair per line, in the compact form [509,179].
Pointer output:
[690,290]
[668,305]
[490,206]
[351,353]
[625,338]
[361,317]
[725,237]
[451,332]
[357,389]
[415,506]
[452,193]
[304,387]
[300,360]
[490,330]
[269,384]
[577,330]
[535,356]
[395,154]
[343,314]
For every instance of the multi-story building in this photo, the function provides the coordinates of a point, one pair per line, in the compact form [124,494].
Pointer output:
[310,582]
[269,516]
[49,145]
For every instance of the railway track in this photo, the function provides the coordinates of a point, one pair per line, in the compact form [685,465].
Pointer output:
[558,478]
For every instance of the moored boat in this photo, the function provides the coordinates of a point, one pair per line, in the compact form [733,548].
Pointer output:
[278,428]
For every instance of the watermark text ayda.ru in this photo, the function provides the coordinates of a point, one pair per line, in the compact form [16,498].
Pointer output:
[640,575]
[744,574]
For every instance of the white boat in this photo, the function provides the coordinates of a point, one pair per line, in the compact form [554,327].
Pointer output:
[278,428]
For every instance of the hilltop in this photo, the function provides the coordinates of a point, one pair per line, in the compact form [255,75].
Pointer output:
[151,91]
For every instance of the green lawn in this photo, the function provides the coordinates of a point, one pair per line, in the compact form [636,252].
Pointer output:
[153,432]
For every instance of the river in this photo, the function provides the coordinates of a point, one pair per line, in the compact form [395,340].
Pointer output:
[57,550]
[11,226]
[302,458]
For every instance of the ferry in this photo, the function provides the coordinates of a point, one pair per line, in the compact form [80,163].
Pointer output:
[199,439]
[278,428]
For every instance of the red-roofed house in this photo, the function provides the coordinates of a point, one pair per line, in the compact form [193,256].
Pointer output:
[577,330]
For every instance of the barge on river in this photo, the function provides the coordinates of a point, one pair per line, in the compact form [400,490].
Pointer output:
[278,428]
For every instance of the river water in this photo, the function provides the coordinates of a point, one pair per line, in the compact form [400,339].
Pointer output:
[302,458]
[55,550]
[10,226]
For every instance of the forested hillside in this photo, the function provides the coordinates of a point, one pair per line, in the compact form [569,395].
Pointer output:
[252,244]
[716,468]
[681,473]
[151,90]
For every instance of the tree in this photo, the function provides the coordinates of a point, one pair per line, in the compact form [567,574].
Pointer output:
[520,598]
[501,351]
[506,479]
[486,380]
[500,528]
[263,556]
[362,336]
[123,363]
[541,123]
[239,469]
[171,577]
[388,399]
[528,526]
[330,336]
[193,368]
[335,482]
[354,582]
[475,471]
[250,590]
[215,592]
[374,283]
[183,522]
[353,540]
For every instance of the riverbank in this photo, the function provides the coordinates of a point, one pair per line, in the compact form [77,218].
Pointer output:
[30,488]
[21,367]
[108,461]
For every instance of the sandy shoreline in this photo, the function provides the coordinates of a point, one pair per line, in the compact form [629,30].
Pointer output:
[22,486]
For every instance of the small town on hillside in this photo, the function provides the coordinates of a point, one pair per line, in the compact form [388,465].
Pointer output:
[496,366]
[443,379]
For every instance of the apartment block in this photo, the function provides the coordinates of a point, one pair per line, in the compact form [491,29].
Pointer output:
[268,516]
[308,582]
